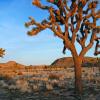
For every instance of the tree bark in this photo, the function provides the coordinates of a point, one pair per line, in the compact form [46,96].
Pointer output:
[78,75]
[78,70]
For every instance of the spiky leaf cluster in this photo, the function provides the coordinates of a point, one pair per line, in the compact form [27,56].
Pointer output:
[2,52]
[79,18]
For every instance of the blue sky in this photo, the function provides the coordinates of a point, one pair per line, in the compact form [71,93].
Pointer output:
[41,49]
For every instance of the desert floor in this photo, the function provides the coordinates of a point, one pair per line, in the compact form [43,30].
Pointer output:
[46,83]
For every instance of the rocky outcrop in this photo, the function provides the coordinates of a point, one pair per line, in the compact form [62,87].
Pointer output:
[68,62]
[11,65]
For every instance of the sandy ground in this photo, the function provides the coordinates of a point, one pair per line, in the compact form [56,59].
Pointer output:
[54,84]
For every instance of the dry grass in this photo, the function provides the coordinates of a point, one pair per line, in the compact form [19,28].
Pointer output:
[53,76]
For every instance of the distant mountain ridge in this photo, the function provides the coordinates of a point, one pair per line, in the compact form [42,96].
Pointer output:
[61,62]
[11,64]
[68,62]
[12,68]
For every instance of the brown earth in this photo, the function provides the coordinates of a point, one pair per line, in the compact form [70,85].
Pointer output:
[48,82]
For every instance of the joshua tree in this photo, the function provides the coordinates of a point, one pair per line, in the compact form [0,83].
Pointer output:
[2,51]
[79,18]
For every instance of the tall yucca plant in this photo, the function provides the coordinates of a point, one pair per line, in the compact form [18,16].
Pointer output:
[80,24]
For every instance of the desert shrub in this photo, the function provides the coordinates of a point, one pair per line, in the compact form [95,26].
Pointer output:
[61,85]
[55,83]
[12,87]
[49,86]
[2,77]
[20,73]
[23,85]
[53,77]
[35,87]
[3,84]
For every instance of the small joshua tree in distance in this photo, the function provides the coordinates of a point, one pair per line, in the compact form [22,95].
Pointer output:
[2,52]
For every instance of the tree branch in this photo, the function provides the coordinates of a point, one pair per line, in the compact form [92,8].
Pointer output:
[39,26]
[85,49]
[56,31]
[97,46]
[39,5]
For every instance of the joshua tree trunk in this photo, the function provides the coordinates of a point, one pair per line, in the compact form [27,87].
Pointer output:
[78,70]
[78,75]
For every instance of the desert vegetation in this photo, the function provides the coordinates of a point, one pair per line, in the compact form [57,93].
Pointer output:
[49,81]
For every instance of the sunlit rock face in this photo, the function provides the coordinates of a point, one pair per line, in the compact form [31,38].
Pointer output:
[68,62]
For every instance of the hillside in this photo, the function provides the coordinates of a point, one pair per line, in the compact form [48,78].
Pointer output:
[11,65]
[68,62]
[61,62]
